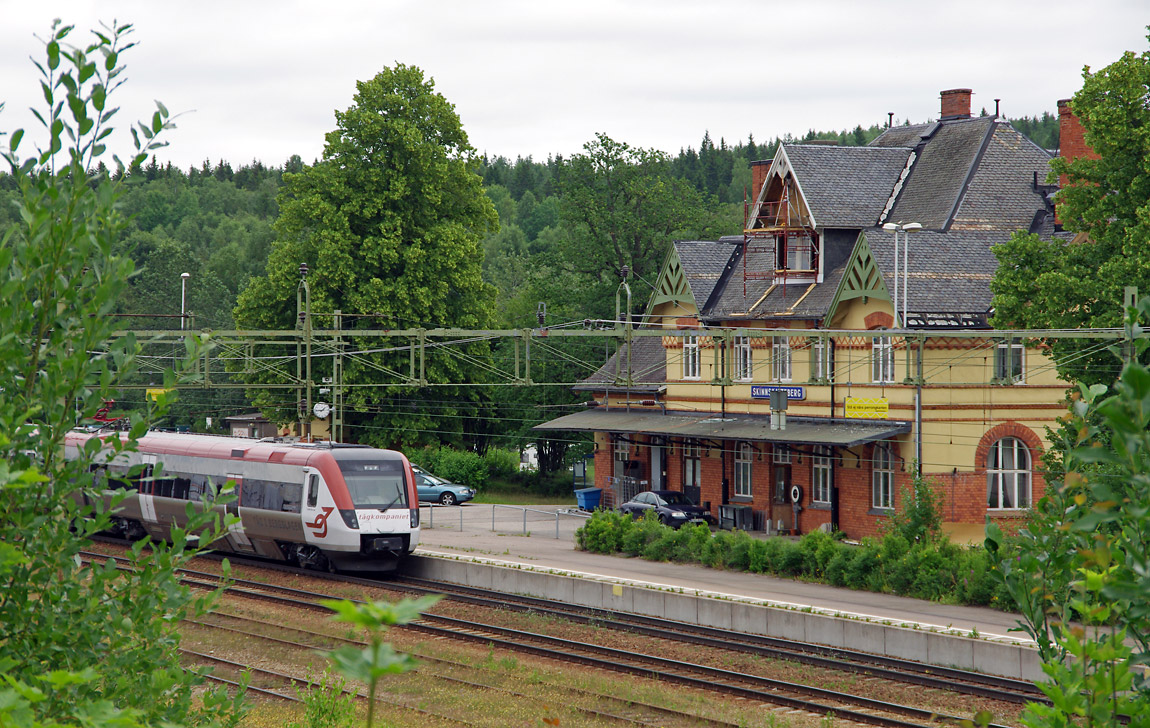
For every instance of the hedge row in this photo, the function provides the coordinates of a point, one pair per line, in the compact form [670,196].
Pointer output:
[465,467]
[931,569]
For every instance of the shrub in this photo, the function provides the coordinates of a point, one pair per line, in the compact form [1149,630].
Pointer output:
[461,466]
[817,548]
[864,570]
[641,533]
[836,571]
[501,463]
[604,532]
[757,557]
[919,517]
[790,562]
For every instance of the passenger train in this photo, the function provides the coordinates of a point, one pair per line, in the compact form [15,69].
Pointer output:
[320,505]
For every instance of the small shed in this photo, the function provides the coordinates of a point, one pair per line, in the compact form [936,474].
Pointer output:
[250,425]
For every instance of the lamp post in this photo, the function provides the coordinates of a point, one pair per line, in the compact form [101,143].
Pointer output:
[907,229]
[183,299]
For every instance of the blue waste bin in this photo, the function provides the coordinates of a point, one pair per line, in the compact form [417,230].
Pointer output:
[588,498]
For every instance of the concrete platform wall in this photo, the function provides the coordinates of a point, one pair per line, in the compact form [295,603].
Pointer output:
[751,616]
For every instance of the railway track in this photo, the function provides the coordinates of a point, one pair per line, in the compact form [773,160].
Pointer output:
[806,699]
[790,696]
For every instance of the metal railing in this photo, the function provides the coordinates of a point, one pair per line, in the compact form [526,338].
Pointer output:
[429,521]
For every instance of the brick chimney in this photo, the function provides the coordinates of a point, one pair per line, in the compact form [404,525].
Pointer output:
[1071,141]
[1071,135]
[955,104]
[759,172]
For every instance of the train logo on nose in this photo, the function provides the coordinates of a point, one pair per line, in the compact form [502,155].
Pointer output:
[319,525]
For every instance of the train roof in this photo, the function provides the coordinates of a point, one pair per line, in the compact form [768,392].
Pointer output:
[241,448]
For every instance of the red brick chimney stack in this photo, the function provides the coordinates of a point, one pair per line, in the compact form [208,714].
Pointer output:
[759,170]
[1071,135]
[956,103]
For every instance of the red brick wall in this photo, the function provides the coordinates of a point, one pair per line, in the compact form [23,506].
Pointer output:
[956,103]
[712,485]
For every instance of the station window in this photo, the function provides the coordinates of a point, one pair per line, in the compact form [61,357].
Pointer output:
[820,359]
[744,361]
[821,475]
[1008,475]
[882,360]
[882,477]
[1008,363]
[781,359]
[744,459]
[690,357]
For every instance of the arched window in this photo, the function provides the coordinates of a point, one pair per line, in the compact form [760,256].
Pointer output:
[1008,475]
[882,477]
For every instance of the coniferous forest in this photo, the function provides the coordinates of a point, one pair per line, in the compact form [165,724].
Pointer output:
[217,222]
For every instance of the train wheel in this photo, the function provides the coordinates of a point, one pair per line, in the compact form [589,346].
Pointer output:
[310,557]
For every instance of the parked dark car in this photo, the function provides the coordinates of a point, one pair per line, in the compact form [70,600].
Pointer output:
[433,489]
[670,506]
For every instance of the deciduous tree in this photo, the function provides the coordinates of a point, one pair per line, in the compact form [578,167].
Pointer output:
[389,223]
[1056,283]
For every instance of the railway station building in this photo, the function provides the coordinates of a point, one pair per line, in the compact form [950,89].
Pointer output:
[794,377]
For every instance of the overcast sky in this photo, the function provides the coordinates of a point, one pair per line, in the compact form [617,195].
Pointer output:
[260,79]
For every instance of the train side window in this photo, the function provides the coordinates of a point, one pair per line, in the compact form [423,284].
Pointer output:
[252,493]
[273,496]
[181,485]
[199,486]
[313,491]
[292,493]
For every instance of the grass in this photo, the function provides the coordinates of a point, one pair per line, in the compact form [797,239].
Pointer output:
[557,490]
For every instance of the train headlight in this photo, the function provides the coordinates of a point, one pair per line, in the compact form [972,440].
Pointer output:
[415,518]
[349,517]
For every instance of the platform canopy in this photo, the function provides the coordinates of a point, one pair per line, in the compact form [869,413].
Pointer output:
[708,426]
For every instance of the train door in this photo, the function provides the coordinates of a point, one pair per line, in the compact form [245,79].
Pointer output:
[145,482]
[314,514]
[236,535]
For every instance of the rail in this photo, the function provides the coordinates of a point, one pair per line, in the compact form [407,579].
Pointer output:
[559,514]
[525,510]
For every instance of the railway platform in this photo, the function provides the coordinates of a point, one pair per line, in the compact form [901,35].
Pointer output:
[531,550]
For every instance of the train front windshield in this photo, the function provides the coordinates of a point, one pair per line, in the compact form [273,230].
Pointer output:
[375,483]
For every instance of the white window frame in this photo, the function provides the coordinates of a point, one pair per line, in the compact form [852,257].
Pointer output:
[744,359]
[821,470]
[622,450]
[780,359]
[1013,355]
[691,357]
[1008,476]
[800,254]
[781,455]
[744,464]
[882,477]
[882,360]
[692,465]
[821,351]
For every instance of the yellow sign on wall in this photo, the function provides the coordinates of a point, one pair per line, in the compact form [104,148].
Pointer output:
[154,393]
[872,408]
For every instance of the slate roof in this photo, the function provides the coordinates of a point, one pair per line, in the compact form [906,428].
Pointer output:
[1001,195]
[846,187]
[948,272]
[703,262]
[944,165]
[648,367]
